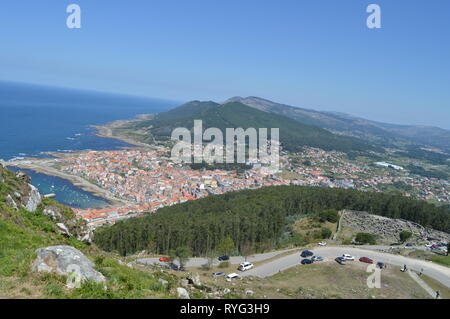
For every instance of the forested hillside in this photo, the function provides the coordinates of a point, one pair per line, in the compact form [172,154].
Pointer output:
[253,218]
[293,135]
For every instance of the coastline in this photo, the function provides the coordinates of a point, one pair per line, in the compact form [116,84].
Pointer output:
[75,180]
[44,165]
[106,130]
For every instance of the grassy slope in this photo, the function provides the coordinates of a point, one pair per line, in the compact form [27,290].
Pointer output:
[22,232]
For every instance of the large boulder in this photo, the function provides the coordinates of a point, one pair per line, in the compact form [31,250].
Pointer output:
[34,199]
[65,260]
[194,279]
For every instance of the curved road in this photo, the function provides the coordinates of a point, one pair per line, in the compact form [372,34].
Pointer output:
[437,272]
[198,262]
[272,267]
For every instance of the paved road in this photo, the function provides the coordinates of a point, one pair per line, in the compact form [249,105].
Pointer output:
[437,272]
[198,262]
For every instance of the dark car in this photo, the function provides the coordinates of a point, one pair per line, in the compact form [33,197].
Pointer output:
[306,262]
[381,265]
[224,258]
[307,253]
[366,260]
[341,260]
[176,267]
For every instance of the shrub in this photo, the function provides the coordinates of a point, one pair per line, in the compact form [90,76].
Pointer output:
[365,238]
[405,235]
[329,215]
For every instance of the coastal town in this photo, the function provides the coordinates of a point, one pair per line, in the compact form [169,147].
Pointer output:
[143,179]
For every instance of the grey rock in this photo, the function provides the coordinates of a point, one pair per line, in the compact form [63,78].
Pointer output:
[194,279]
[184,282]
[226,291]
[63,229]
[63,259]
[34,199]
[182,293]
[249,292]
[23,176]
[11,202]
[86,235]
[53,214]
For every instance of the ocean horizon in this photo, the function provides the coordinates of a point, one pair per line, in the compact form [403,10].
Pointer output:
[39,119]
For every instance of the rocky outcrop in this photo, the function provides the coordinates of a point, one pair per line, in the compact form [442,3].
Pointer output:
[194,279]
[53,213]
[64,260]
[67,224]
[33,199]
[63,229]
[11,202]
[388,230]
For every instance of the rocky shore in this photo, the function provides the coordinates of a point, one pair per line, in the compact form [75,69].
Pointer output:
[43,166]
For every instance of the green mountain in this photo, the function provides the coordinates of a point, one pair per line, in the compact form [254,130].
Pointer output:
[293,135]
[371,131]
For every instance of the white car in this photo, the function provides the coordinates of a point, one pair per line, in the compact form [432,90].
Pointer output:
[322,243]
[232,276]
[245,266]
[348,257]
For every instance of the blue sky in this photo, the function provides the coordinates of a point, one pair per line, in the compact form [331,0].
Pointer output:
[315,54]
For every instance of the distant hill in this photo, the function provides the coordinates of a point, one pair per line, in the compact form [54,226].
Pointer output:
[293,135]
[371,131]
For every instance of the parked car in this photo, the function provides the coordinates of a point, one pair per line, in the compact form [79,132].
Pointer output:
[306,262]
[366,260]
[166,259]
[245,266]
[306,253]
[340,260]
[348,257]
[176,267]
[322,243]
[317,258]
[218,274]
[224,258]
[232,276]
[381,265]
[409,245]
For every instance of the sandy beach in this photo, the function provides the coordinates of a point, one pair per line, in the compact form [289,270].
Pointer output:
[44,166]
[106,130]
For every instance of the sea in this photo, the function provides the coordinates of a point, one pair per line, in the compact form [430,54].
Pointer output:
[39,119]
